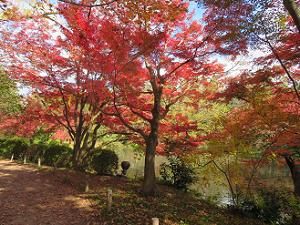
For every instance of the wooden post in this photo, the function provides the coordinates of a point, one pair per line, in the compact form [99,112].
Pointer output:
[109,199]
[87,188]
[12,157]
[25,159]
[155,221]
[39,162]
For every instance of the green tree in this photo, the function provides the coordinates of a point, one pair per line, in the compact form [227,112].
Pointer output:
[10,100]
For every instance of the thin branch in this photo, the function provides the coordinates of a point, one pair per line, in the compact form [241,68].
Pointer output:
[139,114]
[86,5]
[228,181]
[282,65]
[56,117]
[206,164]
[119,115]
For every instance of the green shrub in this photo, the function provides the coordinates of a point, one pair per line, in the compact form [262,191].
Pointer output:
[37,150]
[105,162]
[3,148]
[273,206]
[16,146]
[57,155]
[52,154]
[177,173]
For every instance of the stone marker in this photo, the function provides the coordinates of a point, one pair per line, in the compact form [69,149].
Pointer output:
[87,187]
[109,199]
[12,158]
[155,221]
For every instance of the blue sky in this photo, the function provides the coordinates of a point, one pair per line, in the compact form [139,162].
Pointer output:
[198,10]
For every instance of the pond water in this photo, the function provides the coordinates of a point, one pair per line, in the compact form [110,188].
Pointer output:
[217,192]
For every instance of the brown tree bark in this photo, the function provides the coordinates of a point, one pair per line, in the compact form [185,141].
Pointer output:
[296,180]
[295,171]
[294,11]
[75,157]
[149,184]
[77,153]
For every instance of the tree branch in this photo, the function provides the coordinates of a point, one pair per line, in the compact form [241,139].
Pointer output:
[282,65]
[86,5]
[294,11]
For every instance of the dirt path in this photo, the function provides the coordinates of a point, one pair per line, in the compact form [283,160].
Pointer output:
[31,197]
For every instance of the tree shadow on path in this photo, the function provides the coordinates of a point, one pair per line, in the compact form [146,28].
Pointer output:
[32,197]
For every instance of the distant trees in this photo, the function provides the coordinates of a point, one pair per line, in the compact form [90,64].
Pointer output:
[10,100]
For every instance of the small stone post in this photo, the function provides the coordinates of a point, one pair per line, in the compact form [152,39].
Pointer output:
[25,159]
[155,221]
[109,199]
[87,188]
[12,157]
[39,162]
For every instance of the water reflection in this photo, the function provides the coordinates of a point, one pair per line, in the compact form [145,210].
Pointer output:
[272,175]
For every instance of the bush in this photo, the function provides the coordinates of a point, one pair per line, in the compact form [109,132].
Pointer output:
[35,151]
[4,152]
[16,146]
[57,155]
[273,206]
[52,154]
[177,173]
[105,162]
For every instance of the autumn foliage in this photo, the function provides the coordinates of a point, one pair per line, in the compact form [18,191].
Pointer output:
[124,67]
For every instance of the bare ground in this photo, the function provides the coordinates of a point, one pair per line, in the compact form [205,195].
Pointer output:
[29,196]
[47,196]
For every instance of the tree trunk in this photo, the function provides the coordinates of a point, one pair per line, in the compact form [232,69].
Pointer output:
[81,156]
[76,157]
[149,185]
[296,179]
[295,171]
[293,10]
